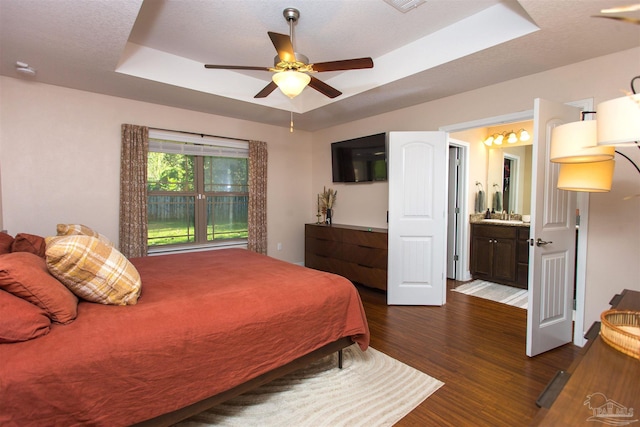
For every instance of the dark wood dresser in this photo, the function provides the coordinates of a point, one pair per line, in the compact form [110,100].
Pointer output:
[603,386]
[357,253]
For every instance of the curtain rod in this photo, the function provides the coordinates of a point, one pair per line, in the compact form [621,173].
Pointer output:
[200,134]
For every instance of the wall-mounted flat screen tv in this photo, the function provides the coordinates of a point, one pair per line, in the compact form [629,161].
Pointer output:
[360,159]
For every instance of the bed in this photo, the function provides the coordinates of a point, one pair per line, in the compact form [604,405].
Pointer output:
[207,326]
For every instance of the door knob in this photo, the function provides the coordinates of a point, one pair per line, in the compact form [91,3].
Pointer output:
[541,242]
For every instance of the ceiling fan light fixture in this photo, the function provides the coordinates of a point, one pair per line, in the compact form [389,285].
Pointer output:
[291,82]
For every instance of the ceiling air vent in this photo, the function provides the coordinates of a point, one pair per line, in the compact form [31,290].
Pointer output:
[405,6]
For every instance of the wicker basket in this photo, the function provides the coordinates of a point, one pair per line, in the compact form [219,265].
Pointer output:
[621,330]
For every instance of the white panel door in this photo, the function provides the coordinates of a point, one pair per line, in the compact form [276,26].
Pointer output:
[417,218]
[552,239]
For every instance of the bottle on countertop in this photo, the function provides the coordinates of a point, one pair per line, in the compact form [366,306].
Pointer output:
[488,214]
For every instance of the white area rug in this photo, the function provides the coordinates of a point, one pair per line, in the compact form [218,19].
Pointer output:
[495,292]
[372,389]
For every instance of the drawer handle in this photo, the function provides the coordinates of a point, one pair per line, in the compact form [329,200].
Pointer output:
[366,266]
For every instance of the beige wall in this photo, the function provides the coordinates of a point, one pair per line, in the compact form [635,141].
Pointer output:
[60,151]
[613,260]
[478,163]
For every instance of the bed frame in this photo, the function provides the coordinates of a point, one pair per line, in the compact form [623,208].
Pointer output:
[198,407]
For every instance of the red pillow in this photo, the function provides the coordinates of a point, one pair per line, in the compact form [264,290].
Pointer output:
[20,320]
[31,243]
[5,243]
[26,276]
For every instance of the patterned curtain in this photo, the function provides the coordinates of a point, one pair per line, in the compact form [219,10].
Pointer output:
[257,240]
[133,190]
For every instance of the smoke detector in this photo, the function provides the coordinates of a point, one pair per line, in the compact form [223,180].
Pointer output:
[25,69]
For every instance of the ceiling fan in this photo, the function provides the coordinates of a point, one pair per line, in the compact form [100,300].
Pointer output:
[292,70]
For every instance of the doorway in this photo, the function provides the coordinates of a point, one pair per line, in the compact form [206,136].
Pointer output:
[582,204]
[458,211]
[511,169]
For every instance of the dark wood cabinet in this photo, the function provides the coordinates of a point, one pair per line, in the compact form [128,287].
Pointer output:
[523,257]
[357,253]
[500,254]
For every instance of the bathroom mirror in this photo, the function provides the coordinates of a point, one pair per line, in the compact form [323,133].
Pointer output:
[509,178]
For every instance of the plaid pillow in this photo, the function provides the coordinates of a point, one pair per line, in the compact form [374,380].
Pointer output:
[82,230]
[93,270]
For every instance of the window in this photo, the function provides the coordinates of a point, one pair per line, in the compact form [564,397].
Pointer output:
[197,190]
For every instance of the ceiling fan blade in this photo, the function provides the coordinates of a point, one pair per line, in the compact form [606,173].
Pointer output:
[283,45]
[267,90]
[619,18]
[235,67]
[346,64]
[324,88]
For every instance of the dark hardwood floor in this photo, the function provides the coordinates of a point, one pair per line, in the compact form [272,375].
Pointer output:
[476,347]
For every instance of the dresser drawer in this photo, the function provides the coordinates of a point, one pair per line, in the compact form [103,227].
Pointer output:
[365,238]
[323,232]
[322,247]
[364,255]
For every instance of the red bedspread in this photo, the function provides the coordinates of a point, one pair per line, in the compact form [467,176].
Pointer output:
[205,323]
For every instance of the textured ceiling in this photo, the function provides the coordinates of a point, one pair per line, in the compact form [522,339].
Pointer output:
[153,51]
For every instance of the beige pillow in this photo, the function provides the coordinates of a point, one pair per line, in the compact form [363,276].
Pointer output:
[81,230]
[93,270]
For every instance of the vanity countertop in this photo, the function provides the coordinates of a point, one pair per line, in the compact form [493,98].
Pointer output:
[495,220]
[503,223]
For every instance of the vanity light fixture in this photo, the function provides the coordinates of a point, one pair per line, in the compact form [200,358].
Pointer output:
[524,135]
[511,136]
[495,139]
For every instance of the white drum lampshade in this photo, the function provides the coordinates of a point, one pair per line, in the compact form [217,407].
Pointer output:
[589,177]
[619,120]
[577,142]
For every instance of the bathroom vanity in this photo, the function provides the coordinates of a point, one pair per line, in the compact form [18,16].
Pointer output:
[500,252]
